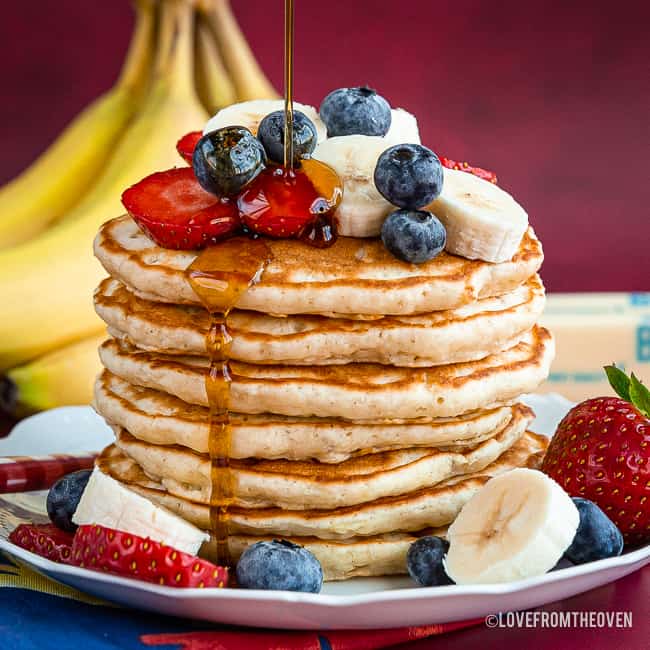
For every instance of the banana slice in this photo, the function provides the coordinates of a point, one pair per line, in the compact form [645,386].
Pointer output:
[363,209]
[403,128]
[483,221]
[251,113]
[106,502]
[517,526]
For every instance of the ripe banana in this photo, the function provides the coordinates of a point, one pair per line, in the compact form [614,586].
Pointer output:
[106,502]
[517,526]
[213,84]
[61,378]
[46,284]
[57,180]
[483,221]
[244,70]
[251,113]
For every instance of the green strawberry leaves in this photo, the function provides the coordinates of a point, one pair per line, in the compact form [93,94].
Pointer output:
[619,381]
[629,388]
[640,396]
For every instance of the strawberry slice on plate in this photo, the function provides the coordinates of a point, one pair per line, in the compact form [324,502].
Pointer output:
[465,167]
[186,145]
[176,212]
[45,540]
[601,452]
[113,551]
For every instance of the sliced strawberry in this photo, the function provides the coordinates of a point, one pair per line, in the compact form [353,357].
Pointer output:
[176,212]
[45,540]
[131,556]
[464,167]
[185,146]
[281,205]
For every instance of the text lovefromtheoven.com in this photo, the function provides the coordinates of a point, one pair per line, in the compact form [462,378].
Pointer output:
[590,619]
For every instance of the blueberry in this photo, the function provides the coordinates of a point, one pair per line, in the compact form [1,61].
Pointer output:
[597,536]
[227,159]
[279,565]
[63,499]
[413,236]
[271,135]
[424,561]
[409,176]
[348,111]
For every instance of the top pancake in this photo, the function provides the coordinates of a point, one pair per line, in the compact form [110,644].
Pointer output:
[353,277]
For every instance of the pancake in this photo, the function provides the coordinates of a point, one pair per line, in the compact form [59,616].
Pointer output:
[354,391]
[428,507]
[162,419]
[380,555]
[354,276]
[305,485]
[467,333]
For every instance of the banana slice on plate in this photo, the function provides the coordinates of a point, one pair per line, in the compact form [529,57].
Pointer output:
[517,526]
[106,502]
[251,113]
[483,221]
[363,209]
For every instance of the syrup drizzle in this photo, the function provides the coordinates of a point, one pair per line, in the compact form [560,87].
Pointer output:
[321,232]
[219,276]
[288,84]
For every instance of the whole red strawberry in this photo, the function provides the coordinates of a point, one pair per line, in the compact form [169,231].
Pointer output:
[131,556]
[601,452]
[45,540]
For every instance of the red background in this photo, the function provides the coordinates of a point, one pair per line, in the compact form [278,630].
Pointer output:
[554,96]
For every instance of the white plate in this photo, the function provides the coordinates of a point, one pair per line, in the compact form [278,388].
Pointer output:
[362,603]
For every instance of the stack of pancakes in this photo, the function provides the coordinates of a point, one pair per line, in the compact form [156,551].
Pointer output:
[370,398]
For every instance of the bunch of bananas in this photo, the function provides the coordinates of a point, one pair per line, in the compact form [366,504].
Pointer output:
[187,59]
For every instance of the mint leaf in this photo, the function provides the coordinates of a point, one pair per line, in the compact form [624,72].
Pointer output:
[619,381]
[640,396]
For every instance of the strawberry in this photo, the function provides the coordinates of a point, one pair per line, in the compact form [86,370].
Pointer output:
[45,540]
[185,146]
[279,205]
[601,451]
[124,554]
[176,212]
[464,167]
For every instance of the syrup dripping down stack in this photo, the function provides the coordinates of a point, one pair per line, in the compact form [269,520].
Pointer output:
[369,398]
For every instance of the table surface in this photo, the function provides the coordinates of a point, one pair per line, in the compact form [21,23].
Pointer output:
[630,594]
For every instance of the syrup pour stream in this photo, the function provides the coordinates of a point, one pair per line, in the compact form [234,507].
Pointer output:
[219,276]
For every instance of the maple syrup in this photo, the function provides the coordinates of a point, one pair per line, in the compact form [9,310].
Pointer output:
[288,84]
[219,276]
[326,187]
